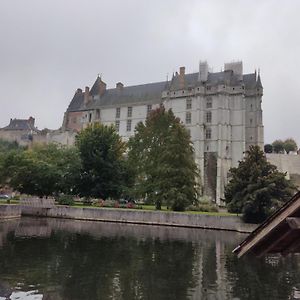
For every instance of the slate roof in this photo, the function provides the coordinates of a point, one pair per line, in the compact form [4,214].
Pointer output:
[20,124]
[151,92]
[77,102]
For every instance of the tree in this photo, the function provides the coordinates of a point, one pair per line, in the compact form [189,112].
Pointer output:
[43,170]
[278,146]
[162,156]
[256,188]
[268,148]
[290,145]
[104,171]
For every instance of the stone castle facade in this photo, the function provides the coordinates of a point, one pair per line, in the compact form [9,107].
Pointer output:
[222,111]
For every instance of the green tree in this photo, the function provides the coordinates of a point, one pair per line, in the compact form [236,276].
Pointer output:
[256,188]
[43,170]
[162,156]
[278,146]
[104,173]
[268,148]
[290,145]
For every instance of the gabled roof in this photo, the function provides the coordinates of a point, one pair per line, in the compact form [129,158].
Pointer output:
[280,233]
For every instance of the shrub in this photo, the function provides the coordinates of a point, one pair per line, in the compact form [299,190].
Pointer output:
[203,206]
[87,201]
[65,200]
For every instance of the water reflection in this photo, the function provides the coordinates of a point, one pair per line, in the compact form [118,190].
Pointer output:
[66,259]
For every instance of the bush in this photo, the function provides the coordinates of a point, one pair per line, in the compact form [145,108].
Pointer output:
[87,201]
[65,200]
[203,206]
[16,197]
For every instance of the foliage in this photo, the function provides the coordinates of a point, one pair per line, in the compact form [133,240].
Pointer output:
[104,171]
[161,156]
[256,188]
[7,146]
[290,145]
[268,148]
[278,146]
[204,207]
[43,170]
[65,199]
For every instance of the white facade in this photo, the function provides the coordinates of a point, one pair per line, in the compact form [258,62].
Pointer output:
[221,110]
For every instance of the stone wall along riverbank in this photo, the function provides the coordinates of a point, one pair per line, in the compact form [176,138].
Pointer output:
[8,211]
[176,219]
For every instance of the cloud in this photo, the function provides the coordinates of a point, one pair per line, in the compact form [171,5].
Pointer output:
[51,47]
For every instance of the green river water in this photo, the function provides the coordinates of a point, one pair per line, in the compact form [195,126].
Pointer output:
[65,259]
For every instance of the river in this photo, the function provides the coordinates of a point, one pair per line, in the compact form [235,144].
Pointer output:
[53,259]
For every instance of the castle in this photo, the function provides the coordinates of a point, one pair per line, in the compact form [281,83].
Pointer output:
[222,111]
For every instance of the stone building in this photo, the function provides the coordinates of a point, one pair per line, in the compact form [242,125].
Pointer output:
[21,131]
[222,111]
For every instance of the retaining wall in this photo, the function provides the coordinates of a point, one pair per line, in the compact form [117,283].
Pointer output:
[8,211]
[231,223]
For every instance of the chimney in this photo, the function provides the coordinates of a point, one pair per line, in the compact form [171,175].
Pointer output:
[236,67]
[78,91]
[119,85]
[31,121]
[86,95]
[203,71]
[181,77]
[102,87]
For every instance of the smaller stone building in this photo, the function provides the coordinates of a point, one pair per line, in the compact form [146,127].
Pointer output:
[24,132]
[21,131]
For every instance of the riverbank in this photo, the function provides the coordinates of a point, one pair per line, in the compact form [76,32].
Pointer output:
[174,219]
[10,211]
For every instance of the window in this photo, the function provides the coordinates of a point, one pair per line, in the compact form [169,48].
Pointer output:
[128,127]
[208,133]
[117,126]
[208,88]
[74,120]
[97,114]
[149,108]
[129,112]
[188,103]
[251,121]
[209,102]
[188,118]
[118,112]
[208,117]
[90,117]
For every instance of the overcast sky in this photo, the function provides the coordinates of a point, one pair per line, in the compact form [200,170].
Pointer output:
[49,48]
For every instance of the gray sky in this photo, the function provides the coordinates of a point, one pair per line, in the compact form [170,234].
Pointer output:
[49,48]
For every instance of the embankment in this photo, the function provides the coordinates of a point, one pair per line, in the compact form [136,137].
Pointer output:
[175,219]
[8,211]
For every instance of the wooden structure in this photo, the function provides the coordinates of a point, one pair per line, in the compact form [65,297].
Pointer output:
[280,233]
